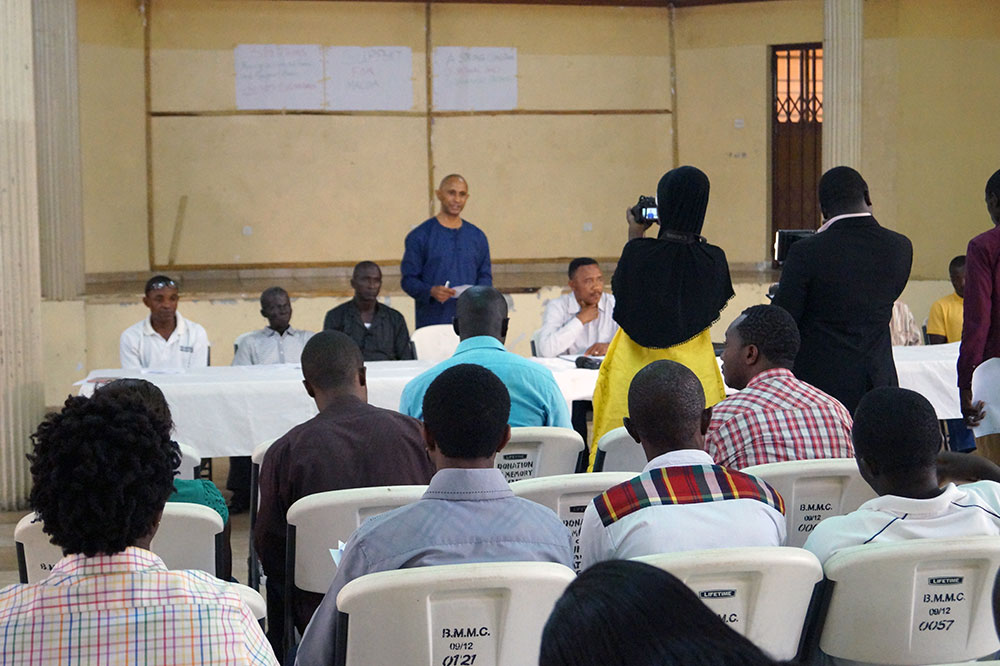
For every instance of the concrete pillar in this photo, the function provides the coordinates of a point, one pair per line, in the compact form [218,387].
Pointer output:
[57,123]
[21,386]
[842,58]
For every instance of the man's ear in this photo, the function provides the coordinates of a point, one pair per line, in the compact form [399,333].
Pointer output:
[262,313]
[505,441]
[145,301]
[309,388]
[454,327]
[706,419]
[631,430]
[428,439]
[752,354]
[868,198]
[362,376]
[503,328]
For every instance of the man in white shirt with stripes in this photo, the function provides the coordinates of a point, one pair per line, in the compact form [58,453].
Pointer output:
[579,322]
[164,339]
[896,443]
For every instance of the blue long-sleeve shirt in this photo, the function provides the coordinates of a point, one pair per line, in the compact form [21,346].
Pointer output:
[436,254]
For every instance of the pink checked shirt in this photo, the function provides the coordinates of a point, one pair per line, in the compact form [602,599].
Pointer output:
[778,417]
[127,608]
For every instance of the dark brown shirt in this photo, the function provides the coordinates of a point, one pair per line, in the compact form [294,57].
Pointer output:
[350,444]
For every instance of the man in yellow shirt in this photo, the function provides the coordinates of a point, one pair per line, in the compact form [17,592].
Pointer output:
[945,321]
[945,325]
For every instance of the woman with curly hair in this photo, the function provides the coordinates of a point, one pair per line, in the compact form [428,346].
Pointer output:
[102,470]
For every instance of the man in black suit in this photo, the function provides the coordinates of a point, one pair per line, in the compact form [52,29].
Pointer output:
[840,285]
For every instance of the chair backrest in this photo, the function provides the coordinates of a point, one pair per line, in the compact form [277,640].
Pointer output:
[190,462]
[540,451]
[568,495]
[762,593]
[434,343]
[618,452]
[534,342]
[252,598]
[814,490]
[317,522]
[256,458]
[923,601]
[189,537]
[472,614]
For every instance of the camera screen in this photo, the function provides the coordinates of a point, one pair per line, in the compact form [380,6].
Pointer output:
[649,213]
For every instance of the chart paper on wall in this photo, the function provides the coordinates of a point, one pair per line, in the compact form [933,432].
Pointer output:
[279,76]
[374,78]
[475,78]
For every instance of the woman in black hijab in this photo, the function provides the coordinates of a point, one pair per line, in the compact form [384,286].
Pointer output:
[668,292]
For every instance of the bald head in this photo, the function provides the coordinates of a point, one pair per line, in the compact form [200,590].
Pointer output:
[666,406]
[481,311]
[450,177]
[331,361]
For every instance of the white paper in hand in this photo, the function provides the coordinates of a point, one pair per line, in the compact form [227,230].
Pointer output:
[337,553]
[986,387]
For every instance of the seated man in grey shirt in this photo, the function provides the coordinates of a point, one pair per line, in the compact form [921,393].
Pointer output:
[468,513]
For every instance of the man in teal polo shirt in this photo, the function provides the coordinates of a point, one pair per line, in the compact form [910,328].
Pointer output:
[481,324]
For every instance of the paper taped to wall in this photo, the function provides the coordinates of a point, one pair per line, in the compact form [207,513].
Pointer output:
[279,76]
[375,78]
[475,79]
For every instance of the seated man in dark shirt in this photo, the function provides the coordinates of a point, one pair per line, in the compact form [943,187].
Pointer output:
[349,444]
[376,328]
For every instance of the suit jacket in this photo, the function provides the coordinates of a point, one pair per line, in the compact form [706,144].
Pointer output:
[840,285]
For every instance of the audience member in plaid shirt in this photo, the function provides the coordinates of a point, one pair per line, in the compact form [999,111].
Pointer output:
[102,470]
[775,416]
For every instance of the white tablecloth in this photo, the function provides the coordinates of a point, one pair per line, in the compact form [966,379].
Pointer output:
[224,411]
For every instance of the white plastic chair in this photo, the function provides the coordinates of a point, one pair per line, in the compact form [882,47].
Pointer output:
[618,452]
[534,341]
[434,343]
[923,601]
[762,593]
[189,537]
[540,451]
[316,523]
[814,490]
[190,462]
[568,495]
[252,599]
[449,614]
[256,459]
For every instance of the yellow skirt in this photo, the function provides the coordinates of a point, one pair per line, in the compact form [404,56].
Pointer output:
[625,358]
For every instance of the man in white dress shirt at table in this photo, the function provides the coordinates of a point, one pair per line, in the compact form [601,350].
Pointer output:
[277,343]
[682,500]
[164,339]
[579,322]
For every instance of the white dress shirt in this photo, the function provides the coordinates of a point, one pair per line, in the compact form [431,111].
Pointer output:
[563,333]
[268,347]
[142,347]
[670,528]
[972,509]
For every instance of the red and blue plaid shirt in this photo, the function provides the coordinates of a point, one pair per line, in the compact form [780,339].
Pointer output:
[778,417]
[127,608]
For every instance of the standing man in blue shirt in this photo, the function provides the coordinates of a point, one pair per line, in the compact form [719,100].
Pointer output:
[442,253]
[481,324]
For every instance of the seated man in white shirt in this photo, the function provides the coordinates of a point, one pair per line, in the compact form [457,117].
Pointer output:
[276,343]
[682,500]
[896,443]
[164,339]
[579,322]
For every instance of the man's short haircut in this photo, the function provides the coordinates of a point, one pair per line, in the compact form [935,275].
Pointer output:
[362,265]
[270,293]
[993,184]
[452,176]
[956,264]
[896,429]
[466,409]
[841,188]
[578,263]
[331,360]
[773,331]
[159,282]
[666,401]
[101,469]
[481,310]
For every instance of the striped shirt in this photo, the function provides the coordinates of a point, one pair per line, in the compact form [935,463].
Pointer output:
[127,608]
[778,417]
